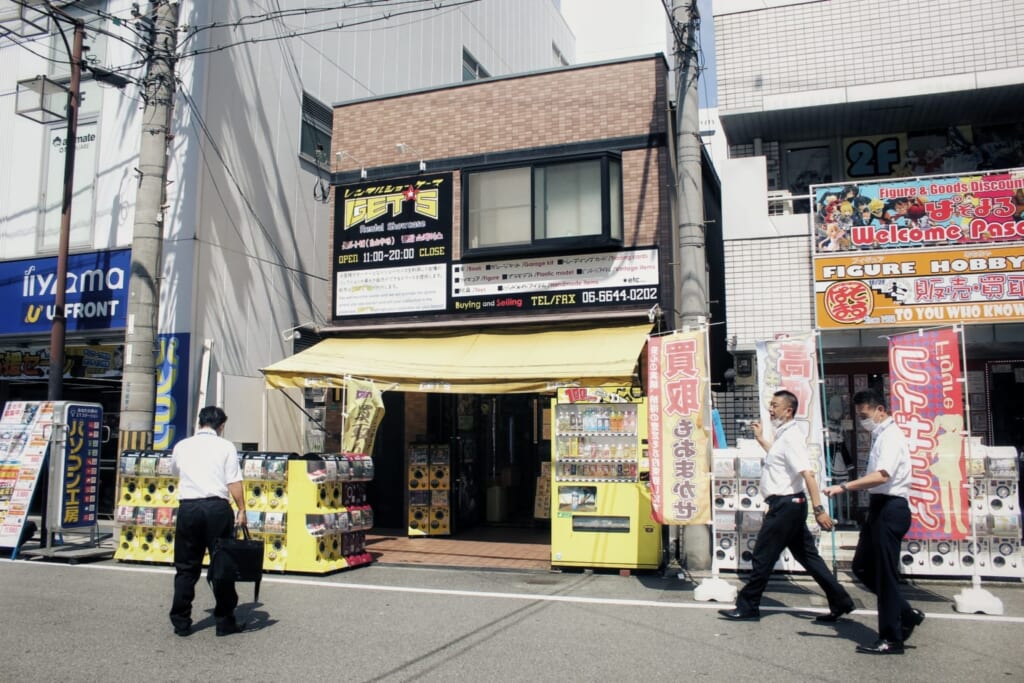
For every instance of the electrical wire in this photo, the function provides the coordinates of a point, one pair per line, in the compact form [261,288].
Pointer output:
[323,29]
[270,241]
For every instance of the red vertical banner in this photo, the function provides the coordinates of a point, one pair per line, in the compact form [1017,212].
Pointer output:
[926,394]
[677,440]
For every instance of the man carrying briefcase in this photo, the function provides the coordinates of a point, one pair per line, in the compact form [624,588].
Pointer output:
[208,472]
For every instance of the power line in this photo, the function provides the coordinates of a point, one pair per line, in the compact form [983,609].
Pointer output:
[332,27]
[271,242]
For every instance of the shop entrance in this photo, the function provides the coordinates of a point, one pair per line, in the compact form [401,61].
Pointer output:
[495,446]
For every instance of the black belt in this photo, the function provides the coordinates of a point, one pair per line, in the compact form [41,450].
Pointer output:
[786,498]
[882,497]
[201,500]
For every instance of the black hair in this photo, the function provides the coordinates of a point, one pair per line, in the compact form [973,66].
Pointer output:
[212,416]
[869,398]
[790,398]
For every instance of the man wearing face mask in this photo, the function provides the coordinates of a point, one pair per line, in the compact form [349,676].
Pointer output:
[786,474]
[876,560]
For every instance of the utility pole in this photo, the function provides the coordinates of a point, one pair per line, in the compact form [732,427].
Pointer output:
[58,328]
[694,543]
[138,388]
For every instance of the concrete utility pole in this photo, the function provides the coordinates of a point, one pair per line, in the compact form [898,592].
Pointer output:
[694,542]
[138,388]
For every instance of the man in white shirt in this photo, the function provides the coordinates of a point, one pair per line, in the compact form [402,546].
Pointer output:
[876,560]
[786,474]
[208,472]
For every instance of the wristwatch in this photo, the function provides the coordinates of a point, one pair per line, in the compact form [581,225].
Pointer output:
[818,509]
[843,487]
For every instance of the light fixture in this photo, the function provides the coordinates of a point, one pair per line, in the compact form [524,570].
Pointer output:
[339,156]
[42,100]
[404,147]
[296,332]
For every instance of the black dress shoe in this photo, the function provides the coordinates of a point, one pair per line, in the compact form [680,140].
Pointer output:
[740,615]
[881,647]
[229,629]
[911,620]
[183,631]
[834,615]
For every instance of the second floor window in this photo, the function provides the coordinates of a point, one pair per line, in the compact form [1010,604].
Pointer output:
[544,207]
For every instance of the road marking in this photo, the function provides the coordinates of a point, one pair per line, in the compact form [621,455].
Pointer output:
[532,597]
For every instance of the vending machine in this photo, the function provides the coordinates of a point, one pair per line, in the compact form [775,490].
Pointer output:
[601,501]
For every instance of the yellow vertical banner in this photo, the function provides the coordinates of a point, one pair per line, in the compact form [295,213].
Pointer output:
[364,409]
[678,441]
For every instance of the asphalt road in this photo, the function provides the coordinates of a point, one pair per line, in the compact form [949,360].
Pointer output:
[108,621]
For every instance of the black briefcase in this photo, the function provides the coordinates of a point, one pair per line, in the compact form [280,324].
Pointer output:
[238,559]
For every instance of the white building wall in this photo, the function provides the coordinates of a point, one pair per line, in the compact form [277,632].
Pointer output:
[841,44]
[245,250]
[259,239]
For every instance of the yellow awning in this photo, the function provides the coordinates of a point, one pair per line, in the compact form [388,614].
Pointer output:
[514,361]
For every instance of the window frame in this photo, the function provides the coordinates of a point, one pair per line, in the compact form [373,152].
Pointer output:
[322,133]
[603,240]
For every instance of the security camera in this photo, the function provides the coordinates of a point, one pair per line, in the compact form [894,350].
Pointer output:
[654,313]
[289,335]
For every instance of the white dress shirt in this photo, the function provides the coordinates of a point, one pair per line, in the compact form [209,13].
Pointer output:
[786,459]
[205,464]
[890,452]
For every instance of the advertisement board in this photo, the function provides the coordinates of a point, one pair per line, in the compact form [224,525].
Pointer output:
[392,244]
[96,295]
[905,251]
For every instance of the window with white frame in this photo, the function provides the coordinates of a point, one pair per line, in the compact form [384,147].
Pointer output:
[544,206]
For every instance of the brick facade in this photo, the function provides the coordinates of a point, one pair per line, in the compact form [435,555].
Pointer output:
[558,108]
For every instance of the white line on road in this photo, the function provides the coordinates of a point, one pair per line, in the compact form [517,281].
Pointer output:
[533,597]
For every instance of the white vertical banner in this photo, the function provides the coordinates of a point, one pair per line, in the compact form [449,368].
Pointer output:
[790,362]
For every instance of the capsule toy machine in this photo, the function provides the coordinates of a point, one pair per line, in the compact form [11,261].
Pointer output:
[601,513]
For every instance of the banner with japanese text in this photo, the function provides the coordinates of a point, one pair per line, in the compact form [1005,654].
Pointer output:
[905,251]
[927,403]
[790,362]
[679,405]
[364,409]
[80,466]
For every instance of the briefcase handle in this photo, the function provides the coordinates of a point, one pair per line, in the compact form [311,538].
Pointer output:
[244,528]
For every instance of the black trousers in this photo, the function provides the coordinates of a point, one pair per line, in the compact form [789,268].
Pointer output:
[785,526]
[200,524]
[877,558]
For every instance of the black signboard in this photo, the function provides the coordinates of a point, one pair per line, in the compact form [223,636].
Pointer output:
[392,246]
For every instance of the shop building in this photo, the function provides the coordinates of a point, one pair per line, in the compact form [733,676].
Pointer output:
[244,278]
[931,90]
[524,244]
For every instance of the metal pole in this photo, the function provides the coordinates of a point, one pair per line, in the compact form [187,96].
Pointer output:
[694,542]
[138,388]
[55,388]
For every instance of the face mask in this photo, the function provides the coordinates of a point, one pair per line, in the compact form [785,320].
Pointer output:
[868,424]
[776,422]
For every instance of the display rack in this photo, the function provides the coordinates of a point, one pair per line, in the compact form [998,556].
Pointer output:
[311,511]
[995,552]
[429,487]
[739,509]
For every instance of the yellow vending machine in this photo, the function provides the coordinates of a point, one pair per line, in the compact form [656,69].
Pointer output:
[601,501]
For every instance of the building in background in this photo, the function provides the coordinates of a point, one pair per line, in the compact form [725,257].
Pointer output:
[246,218]
[854,94]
